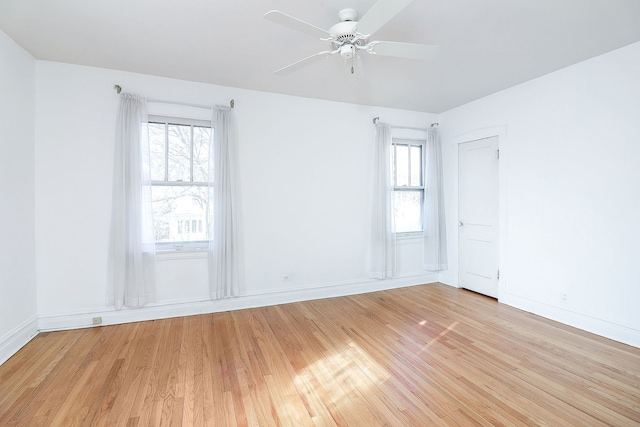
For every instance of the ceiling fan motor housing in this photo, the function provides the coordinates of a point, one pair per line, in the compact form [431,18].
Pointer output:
[344,33]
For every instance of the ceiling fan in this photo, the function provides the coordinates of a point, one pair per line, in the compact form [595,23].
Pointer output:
[351,36]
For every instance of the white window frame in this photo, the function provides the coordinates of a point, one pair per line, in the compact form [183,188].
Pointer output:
[415,142]
[196,245]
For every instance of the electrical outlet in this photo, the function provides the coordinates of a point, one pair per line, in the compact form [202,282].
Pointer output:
[286,278]
[564,298]
[97,320]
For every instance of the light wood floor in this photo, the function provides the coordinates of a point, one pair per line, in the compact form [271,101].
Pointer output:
[422,356]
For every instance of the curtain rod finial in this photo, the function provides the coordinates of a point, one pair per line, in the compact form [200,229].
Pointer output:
[232,103]
[375,120]
[435,124]
[117,88]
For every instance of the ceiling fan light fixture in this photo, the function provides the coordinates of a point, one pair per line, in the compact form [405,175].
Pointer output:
[347,51]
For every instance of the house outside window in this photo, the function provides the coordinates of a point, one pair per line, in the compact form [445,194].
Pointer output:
[179,182]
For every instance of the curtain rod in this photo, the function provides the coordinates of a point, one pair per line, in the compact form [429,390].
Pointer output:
[377,119]
[232,103]
[407,127]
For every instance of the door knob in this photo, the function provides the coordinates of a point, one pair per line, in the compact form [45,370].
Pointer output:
[460,224]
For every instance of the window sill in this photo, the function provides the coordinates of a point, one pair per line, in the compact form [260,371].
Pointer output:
[172,254]
[408,238]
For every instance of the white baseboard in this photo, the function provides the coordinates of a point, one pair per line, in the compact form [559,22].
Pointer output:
[449,280]
[166,310]
[611,330]
[16,338]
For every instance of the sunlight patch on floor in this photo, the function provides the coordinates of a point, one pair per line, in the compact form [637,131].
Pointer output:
[442,334]
[345,374]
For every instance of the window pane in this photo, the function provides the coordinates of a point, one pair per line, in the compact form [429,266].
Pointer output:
[408,211]
[416,166]
[157,147]
[174,211]
[402,165]
[201,141]
[179,152]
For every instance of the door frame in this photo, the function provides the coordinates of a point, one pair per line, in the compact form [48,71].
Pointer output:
[501,133]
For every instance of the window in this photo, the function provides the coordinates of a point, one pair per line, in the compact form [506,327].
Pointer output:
[407,169]
[179,182]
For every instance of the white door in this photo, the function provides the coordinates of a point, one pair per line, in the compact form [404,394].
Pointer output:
[478,216]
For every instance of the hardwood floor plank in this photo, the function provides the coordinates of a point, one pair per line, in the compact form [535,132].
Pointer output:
[191,354]
[57,384]
[255,396]
[425,355]
[65,415]
[36,366]
[118,400]
[139,371]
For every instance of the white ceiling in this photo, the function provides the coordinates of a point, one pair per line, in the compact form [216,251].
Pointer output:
[485,45]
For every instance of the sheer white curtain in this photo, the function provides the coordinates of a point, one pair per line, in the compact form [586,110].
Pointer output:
[383,244]
[435,238]
[223,198]
[131,275]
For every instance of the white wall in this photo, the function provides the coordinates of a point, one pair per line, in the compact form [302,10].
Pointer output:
[17,251]
[305,172]
[570,170]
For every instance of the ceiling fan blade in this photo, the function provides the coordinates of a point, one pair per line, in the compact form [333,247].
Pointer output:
[296,24]
[421,52]
[380,14]
[303,63]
